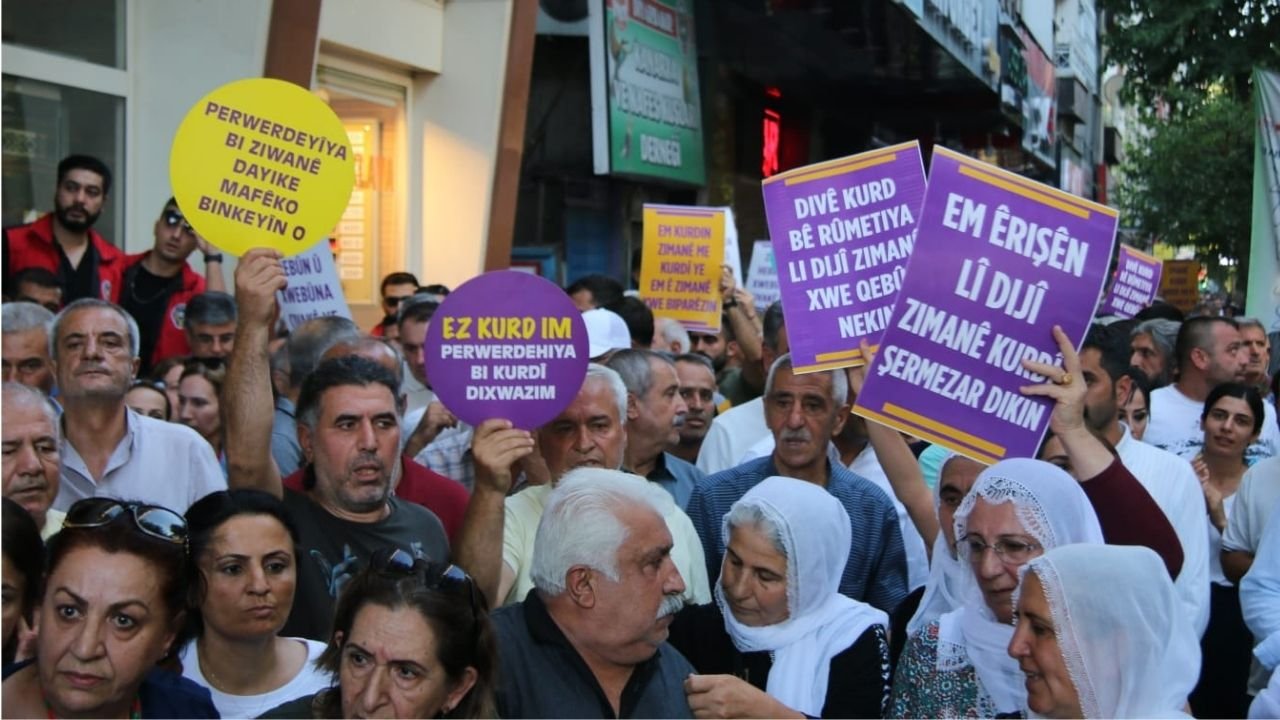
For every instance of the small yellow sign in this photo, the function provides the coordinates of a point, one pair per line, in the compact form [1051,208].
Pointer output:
[680,266]
[262,163]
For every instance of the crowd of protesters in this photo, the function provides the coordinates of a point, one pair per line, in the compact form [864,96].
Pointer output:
[206,515]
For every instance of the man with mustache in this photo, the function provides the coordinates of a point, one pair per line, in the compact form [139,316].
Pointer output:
[107,449]
[24,345]
[594,631]
[698,388]
[497,544]
[348,429]
[64,242]
[655,413]
[30,437]
[804,412]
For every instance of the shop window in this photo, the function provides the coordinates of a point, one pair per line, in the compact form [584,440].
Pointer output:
[88,30]
[370,239]
[43,123]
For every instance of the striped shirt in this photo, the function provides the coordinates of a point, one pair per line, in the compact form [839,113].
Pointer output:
[877,569]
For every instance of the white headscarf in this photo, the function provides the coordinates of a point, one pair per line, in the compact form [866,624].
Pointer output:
[942,589]
[1052,509]
[816,535]
[1127,644]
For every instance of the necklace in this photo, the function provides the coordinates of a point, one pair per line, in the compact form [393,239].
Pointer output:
[133,287]
[135,710]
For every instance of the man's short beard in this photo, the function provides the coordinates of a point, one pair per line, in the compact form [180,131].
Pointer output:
[76,225]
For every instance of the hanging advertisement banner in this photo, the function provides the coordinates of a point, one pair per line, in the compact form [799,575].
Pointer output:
[645,103]
[1263,301]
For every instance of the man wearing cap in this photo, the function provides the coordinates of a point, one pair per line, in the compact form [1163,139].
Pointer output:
[606,333]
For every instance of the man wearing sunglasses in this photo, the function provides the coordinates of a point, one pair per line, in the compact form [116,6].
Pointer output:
[158,283]
[395,288]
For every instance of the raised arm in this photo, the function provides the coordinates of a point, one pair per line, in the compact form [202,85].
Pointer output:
[899,464]
[247,409]
[1126,511]
[497,446]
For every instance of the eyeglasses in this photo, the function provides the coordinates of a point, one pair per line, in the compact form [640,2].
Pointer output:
[153,520]
[173,217]
[399,562]
[1010,552]
[393,301]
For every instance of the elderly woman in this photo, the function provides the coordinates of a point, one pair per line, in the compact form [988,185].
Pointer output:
[243,574]
[956,666]
[113,601]
[1128,652]
[781,641]
[410,640]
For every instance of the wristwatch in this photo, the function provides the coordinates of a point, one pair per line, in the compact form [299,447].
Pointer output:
[731,303]
[215,257]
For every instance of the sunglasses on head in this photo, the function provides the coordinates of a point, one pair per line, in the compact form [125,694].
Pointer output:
[442,578]
[173,217]
[153,520]
[149,384]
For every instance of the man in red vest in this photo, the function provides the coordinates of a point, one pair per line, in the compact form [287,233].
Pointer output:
[64,242]
[157,284]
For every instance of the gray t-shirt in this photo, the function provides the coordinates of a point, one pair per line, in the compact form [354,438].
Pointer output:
[332,550]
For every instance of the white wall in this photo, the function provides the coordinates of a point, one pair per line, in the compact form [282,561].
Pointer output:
[180,50]
[401,32]
[454,124]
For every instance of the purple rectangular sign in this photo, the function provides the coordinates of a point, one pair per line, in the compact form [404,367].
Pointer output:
[1136,283]
[999,261]
[842,232]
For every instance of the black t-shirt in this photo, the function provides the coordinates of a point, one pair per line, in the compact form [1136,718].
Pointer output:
[332,550]
[146,297]
[82,281]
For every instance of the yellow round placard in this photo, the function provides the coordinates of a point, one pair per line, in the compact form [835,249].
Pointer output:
[262,163]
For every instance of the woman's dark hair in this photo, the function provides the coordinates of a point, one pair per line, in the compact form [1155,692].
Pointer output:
[455,610]
[24,549]
[163,367]
[1236,390]
[122,535]
[203,520]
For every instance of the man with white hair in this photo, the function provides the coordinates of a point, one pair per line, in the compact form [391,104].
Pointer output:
[499,535]
[30,436]
[25,336]
[108,449]
[804,412]
[606,591]
[670,336]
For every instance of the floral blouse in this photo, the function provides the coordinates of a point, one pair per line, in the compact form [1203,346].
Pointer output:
[921,690]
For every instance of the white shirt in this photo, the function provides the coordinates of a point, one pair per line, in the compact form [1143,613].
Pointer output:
[1175,426]
[1216,576]
[1173,484]
[309,680]
[157,462]
[1260,598]
[731,435]
[1258,493]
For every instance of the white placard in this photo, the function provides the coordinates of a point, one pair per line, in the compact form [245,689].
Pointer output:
[732,257]
[762,276]
[314,289]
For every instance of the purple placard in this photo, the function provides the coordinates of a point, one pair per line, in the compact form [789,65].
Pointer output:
[1137,281]
[508,345]
[999,261]
[842,232]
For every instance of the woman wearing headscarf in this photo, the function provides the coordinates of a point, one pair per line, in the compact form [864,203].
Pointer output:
[780,640]
[1128,652]
[957,666]
[956,476]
